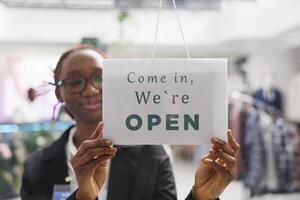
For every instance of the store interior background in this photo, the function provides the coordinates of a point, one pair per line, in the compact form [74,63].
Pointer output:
[260,38]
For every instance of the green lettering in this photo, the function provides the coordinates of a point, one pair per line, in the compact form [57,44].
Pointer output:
[153,120]
[137,126]
[194,123]
[171,122]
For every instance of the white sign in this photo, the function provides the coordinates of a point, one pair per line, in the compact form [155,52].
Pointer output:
[164,101]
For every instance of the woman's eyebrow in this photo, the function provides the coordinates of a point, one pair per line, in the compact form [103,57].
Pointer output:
[74,72]
[97,71]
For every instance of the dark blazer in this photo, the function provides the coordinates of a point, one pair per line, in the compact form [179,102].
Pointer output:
[137,173]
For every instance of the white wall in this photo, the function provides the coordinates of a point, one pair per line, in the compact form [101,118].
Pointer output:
[234,21]
[266,56]
[3,27]
[59,26]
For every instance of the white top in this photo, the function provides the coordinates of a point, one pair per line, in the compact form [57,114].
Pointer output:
[70,152]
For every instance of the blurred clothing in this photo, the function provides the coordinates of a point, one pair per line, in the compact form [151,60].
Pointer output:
[283,149]
[254,153]
[266,163]
[236,127]
[270,182]
[270,97]
[296,163]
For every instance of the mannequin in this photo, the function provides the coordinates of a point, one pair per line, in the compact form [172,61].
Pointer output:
[268,93]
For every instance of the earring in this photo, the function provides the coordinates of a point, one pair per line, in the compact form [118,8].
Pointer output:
[54,114]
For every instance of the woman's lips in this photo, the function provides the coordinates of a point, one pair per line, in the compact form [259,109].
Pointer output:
[92,106]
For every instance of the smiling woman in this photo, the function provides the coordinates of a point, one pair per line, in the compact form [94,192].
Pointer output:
[80,75]
[81,153]
[80,156]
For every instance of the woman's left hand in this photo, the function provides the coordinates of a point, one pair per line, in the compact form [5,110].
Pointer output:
[217,169]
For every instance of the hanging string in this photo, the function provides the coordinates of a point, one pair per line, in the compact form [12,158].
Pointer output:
[180,27]
[154,44]
[185,46]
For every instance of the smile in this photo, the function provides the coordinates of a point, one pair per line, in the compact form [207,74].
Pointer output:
[91,106]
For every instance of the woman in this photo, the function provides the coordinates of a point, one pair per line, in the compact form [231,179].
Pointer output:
[81,156]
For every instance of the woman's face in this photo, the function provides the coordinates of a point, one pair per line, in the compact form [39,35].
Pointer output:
[85,106]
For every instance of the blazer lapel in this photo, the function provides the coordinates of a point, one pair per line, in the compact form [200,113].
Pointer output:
[122,174]
[55,164]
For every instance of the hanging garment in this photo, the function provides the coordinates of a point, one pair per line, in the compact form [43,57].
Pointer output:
[296,163]
[254,153]
[235,126]
[243,151]
[272,97]
[283,150]
[270,180]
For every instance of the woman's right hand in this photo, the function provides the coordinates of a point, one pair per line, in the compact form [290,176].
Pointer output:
[90,164]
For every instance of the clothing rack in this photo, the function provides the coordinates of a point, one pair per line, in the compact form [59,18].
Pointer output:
[245,98]
[266,162]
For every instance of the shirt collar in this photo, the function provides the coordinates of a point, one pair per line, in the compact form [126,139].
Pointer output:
[71,148]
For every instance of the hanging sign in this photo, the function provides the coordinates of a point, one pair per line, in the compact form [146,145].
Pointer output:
[164,101]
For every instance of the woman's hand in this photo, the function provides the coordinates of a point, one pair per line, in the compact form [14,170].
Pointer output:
[217,169]
[90,164]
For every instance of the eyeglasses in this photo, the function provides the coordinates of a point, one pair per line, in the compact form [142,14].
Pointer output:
[79,84]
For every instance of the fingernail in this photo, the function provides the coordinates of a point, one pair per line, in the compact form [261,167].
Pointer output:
[230,134]
[214,139]
[208,161]
[217,140]
[212,151]
[107,142]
